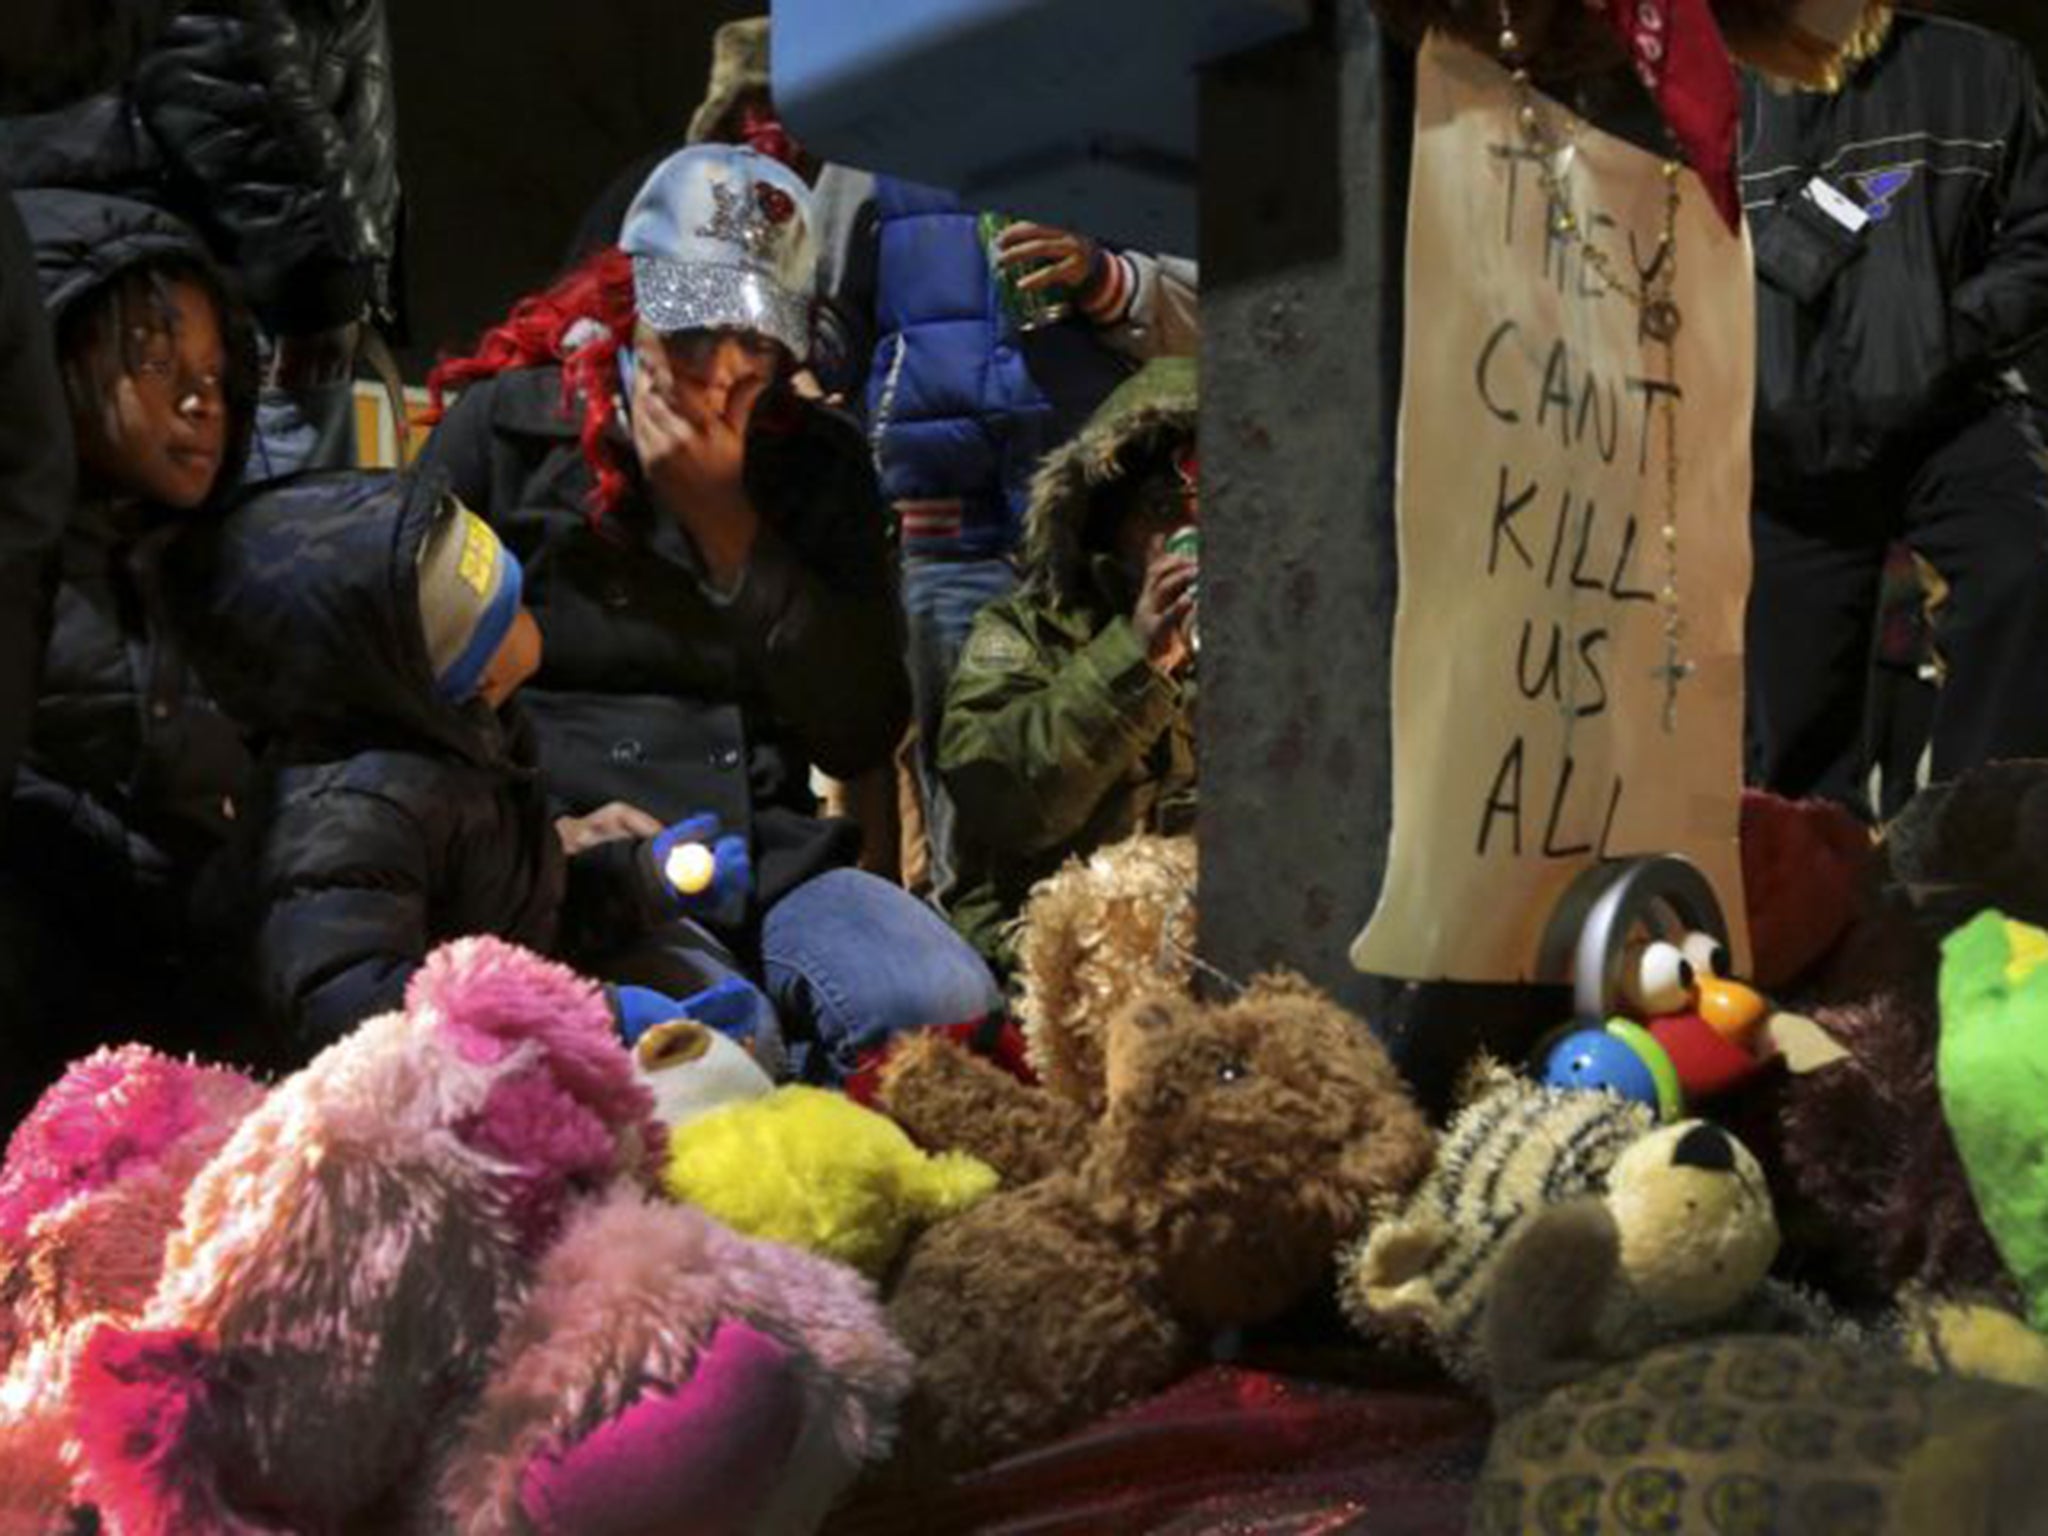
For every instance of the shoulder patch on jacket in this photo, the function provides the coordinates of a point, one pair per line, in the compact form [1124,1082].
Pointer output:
[996,648]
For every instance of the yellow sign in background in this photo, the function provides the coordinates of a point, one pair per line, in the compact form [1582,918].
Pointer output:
[1536,727]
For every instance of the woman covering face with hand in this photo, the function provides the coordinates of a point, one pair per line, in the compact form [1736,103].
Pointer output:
[707,558]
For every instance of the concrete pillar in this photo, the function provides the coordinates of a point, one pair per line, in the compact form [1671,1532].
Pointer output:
[1304,161]
[1304,148]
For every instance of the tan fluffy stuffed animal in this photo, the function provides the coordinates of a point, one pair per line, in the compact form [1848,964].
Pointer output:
[1103,931]
[1239,1145]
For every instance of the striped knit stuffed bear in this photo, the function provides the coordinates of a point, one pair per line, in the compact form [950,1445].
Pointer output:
[1683,1209]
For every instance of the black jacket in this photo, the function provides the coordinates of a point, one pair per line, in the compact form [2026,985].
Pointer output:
[129,783]
[50,52]
[1942,139]
[650,691]
[269,125]
[386,820]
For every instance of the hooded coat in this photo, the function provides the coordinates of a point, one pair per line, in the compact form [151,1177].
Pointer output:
[1060,736]
[129,784]
[50,51]
[387,819]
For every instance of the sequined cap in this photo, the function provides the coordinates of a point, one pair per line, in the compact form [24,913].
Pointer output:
[721,238]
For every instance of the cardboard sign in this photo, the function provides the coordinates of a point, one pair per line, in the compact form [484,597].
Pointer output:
[1539,722]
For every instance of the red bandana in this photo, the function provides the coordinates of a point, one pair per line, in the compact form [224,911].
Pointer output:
[1676,47]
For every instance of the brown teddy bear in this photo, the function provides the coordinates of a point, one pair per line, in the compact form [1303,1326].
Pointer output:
[1238,1146]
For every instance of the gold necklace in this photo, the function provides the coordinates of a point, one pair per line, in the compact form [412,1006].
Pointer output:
[1652,293]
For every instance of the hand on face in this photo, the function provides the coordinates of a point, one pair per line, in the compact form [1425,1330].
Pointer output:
[693,397]
[1166,601]
[162,430]
[1059,257]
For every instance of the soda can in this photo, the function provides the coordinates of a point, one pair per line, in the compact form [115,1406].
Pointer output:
[1028,309]
[1186,540]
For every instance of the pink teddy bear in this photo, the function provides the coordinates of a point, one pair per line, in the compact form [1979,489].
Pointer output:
[423,1284]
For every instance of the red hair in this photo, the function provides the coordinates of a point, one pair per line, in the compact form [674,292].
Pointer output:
[581,323]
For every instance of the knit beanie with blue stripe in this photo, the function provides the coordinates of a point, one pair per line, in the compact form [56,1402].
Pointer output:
[469,596]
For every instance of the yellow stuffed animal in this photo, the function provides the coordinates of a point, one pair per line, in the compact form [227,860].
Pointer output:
[810,1167]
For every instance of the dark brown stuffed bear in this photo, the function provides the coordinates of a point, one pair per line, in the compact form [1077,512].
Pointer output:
[1239,1146]
[1871,1189]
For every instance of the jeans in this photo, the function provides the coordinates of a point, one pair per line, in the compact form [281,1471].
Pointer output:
[940,601]
[851,960]
[312,428]
[847,960]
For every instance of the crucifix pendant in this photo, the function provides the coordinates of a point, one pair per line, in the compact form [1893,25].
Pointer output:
[1671,674]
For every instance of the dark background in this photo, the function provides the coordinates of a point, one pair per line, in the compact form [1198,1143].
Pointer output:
[2026,20]
[512,116]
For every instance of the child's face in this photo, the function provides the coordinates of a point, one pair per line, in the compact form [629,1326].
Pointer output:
[163,429]
[1162,503]
[516,660]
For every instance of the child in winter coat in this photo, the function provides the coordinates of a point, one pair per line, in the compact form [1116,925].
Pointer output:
[1070,720]
[372,627]
[132,777]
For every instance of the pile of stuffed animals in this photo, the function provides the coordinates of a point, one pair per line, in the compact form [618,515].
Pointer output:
[424,1284]
[1832,1328]
[483,1267]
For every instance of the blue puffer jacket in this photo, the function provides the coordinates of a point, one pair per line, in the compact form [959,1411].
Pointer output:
[961,408]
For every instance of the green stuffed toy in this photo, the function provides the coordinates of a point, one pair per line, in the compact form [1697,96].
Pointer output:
[1993,1070]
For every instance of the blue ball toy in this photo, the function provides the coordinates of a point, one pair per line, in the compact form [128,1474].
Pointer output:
[1593,1059]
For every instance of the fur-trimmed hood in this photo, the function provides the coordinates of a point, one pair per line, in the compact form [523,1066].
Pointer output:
[1146,414]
